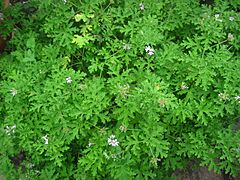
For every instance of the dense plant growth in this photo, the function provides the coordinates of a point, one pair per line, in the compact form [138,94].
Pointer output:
[119,89]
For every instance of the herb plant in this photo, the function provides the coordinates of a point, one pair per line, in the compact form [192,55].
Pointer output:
[119,89]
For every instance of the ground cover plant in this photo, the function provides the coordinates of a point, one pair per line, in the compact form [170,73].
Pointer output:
[119,89]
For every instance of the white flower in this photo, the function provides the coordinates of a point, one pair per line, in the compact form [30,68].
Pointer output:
[31,165]
[45,138]
[90,144]
[230,37]
[13,92]
[112,141]
[112,136]
[7,130]
[231,18]
[237,98]
[184,86]
[151,53]
[69,80]
[126,46]
[141,6]
[217,17]
[65,1]
[149,50]
[10,129]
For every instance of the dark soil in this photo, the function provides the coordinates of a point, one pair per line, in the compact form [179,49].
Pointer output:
[202,174]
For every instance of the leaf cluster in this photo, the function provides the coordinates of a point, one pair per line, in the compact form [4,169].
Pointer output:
[78,73]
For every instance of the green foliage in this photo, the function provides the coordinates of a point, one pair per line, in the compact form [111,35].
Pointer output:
[119,89]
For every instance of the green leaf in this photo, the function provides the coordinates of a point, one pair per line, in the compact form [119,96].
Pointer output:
[79,17]
[81,41]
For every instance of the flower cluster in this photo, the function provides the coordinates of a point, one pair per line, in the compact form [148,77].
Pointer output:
[112,141]
[124,90]
[10,129]
[149,50]
[223,96]
[123,128]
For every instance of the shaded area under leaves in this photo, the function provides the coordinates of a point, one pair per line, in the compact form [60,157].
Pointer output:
[201,173]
